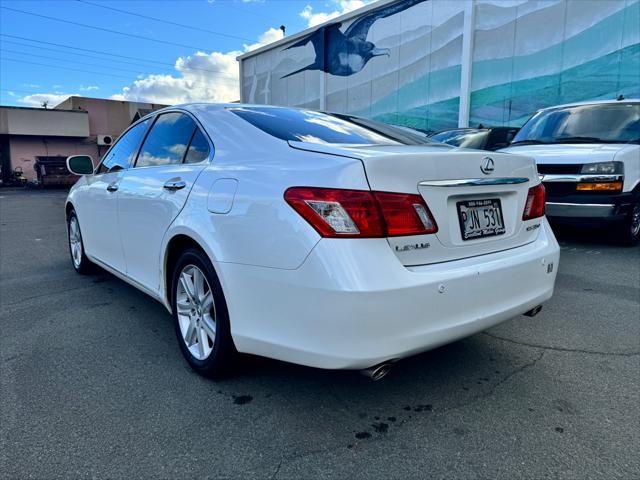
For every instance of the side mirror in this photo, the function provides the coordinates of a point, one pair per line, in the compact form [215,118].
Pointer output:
[80,164]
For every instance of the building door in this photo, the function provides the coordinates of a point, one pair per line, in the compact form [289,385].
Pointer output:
[5,159]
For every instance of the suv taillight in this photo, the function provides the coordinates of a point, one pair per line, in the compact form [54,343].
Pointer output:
[534,207]
[361,213]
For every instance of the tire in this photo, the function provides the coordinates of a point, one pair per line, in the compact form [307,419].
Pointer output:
[201,317]
[629,229]
[79,260]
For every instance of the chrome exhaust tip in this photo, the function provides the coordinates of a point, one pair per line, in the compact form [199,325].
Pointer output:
[534,311]
[377,372]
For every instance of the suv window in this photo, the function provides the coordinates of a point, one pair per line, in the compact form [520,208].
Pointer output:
[167,141]
[597,123]
[311,127]
[121,155]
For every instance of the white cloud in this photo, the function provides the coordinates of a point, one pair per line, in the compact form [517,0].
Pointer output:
[210,77]
[52,99]
[88,88]
[341,7]
[270,36]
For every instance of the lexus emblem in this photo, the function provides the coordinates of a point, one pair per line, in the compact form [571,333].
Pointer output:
[488,166]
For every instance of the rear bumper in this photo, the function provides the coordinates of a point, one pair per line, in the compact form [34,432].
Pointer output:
[589,207]
[353,305]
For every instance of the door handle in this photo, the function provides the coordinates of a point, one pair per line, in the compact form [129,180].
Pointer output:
[173,185]
[112,187]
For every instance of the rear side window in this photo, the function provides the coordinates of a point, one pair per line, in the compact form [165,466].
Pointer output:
[198,149]
[309,126]
[167,141]
[122,154]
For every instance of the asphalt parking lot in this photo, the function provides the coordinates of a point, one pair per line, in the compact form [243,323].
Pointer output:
[92,383]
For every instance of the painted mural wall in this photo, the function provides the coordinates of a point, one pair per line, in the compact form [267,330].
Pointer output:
[402,62]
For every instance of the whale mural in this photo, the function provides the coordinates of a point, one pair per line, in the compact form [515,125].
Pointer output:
[526,54]
[347,53]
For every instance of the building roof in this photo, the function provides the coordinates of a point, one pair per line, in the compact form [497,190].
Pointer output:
[11,107]
[295,36]
[43,122]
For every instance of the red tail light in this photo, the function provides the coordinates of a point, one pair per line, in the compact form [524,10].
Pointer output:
[534,207]
[361,213]
[405,214]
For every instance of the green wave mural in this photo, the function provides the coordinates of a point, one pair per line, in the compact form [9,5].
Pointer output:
[512,102]
[605,77]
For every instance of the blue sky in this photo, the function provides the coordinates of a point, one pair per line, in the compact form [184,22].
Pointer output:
[201,68]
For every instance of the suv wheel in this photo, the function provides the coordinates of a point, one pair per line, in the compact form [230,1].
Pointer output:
[200,315]
[630,228]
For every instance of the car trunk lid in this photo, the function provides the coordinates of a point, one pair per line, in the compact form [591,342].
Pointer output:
[454,186]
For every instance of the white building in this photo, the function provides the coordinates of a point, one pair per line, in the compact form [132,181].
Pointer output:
[436,64]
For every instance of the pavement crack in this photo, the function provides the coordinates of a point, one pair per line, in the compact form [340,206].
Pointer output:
[275,474]
[46,294]
[562,349]
[510,375]
[498,384]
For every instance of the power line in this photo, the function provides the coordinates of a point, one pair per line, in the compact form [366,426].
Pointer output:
[71,60]
[132,35]
[100,52]
[70,53]
[89,64]
[5,59]
[10,90]
[168,22]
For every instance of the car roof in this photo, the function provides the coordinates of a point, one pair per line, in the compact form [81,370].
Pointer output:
[223,106]
[592,102]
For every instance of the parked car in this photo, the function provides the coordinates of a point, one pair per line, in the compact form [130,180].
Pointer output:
[305,237]
[588,156]
[482,138]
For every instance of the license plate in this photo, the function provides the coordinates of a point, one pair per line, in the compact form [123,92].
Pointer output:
[480,218]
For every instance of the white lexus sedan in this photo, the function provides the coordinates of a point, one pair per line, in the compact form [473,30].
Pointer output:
[310,237]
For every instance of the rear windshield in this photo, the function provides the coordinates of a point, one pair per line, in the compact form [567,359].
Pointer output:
[312,127]
[463,138]
[603,123]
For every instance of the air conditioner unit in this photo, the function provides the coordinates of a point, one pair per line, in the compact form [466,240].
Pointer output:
[105,140]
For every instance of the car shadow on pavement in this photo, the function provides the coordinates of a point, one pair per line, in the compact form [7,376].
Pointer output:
[585,235]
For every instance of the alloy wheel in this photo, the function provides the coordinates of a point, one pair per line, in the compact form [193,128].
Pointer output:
[75,242]
[196,312]
[635,220]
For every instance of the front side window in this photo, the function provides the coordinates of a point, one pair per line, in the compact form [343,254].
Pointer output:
[598,123]
[122,154]
[167,141]
[311,127]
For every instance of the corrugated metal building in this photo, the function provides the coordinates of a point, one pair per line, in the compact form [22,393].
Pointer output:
[435,64]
